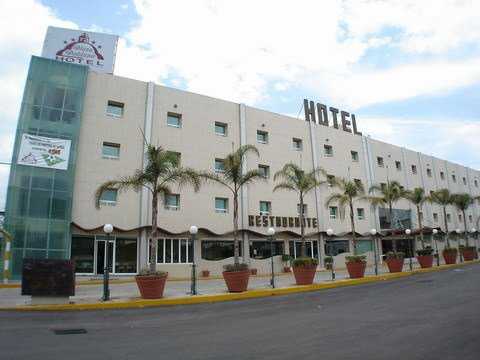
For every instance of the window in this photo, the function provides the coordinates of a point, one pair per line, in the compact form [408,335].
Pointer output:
[328,150]
[383,186]
[398,165]
[442,175]
[220,129]
[470,218]
[333,212]
[174,251]
[330,180]
[459,217]
[311,247]
[354,155]
[217,250]
[360,213]
[380,161]
[449,218]
[305,209]
[336,247]
[265,207]
[219,165]
[109,197]
[297,144]
[174,120]
[172,202]
[454,178]
[435,217]
[464,179]
[414,169]
[114,108]
[221,205]
[475,182]
[110,150]
[429,172]
[264,170]
[263,249]
[262,137]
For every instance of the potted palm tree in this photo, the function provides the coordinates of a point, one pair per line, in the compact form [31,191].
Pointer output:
[389,195]
[462,202]
[162,170]
[417,197]
[349,192]
[443,197]
[233,178]
[293,178]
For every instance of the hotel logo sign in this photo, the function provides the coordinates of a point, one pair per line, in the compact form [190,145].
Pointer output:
[95,50]
[45,152]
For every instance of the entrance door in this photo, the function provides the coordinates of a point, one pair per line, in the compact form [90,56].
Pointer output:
[101,260]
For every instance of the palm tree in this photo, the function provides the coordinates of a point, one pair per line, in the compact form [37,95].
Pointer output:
[442,197]
[234,178]
[292,178]
[349,192]
[160,173]
[389,195]
[462,202]
[417,197]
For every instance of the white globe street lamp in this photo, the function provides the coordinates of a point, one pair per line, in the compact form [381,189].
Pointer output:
[408,232]
[373,232]
[271,234]
[329,232]
[107,229]
[435,232]
[193,287]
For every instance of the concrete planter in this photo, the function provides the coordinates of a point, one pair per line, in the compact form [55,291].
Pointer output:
[356,269]
[425,261]
[304,274]
[394,265]
[151,287]
[237,281]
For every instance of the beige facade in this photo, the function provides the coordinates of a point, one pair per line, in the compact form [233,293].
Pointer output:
[145,110]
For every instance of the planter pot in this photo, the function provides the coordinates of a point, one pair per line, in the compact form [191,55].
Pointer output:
[425,261]
[356,270]
[468,255]
[253,271]
[237,281]
[151,287]
[394,265]
[328,266]
[286,269]
[205,273]
[450,257]
[304,274]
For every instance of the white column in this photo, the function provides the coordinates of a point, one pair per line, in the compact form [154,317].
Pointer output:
[243,203]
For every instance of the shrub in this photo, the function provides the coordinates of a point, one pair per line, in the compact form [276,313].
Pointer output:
[328,259]
[235,267]
[147,272]
[286,258]
[450,250]
[394,255]
[355,258]
[425,252]
[304,261]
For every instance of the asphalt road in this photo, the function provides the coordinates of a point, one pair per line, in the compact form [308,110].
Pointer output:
[429,316]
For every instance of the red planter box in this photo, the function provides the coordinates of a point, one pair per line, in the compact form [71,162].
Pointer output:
[253,271]
[237,281]
[425,261]
[468,255]
[394,265]
[205,273]
[356,270]
[151,287]
[286,269]
[450,257]
[304,274]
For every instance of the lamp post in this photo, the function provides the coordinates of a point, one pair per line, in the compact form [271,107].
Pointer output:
[107,229]
[330,233]
[472,231]
[434,235]
[408,232]
[271,234]
[373,232]
[458,232]
[193,287]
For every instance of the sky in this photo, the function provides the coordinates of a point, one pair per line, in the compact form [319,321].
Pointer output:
[409,70]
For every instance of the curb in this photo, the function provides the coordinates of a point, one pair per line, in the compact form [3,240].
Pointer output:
[213,298]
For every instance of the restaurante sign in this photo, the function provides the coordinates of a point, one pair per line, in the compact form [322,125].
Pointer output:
[280,221]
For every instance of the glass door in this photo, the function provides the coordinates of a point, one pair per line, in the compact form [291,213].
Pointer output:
[101,259]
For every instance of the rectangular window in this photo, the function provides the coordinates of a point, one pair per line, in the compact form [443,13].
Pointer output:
[220,129]
[328,150]
[475,182]
[219,165]
[174,120]
[449,218]
[330,180]
[217,250]
[297,144]
[442,175]
[464,179]
[429,172]
[262,137]
[414,169]
[109,197]
[115,109]
[380,162]
[263,249]
[333,212]
[221,205]
[336,247]
[470,218]
[174,251]
[360,213]
[383,186]
[110,150]
[264,170]
[459,217]
[265,207]
[454,178]
[435,217]
[398,165]
[354,155]
[172,202]
[305,209]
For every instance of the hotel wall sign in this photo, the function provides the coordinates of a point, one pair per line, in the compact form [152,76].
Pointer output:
[280,221]
[319,115]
